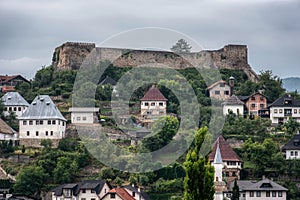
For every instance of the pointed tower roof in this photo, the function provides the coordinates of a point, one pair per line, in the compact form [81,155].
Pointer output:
[154,94]
[218,157]
[227,153]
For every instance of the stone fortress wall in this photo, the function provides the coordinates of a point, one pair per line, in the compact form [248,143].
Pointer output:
[70,55]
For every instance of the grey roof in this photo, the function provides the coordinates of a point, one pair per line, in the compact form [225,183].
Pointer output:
[285,101]
[42,107]
[243,98]
[5,128]
[218,157]
[136,190]
[108,80]
[14,99]
[242,184]
[96,185]
[293,144]
[233,100]
[265,185]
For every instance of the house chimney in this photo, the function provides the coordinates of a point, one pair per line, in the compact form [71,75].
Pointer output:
[231,84]
[263,177]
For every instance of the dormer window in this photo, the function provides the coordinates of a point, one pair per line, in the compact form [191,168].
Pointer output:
[222,84]
[266,185]
[296,142]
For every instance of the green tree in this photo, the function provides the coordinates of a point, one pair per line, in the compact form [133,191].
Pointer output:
[291,126]
[30,181]
[65,170]
[235,191]
[199,179]
[165,129]
[46,143]
[181,46]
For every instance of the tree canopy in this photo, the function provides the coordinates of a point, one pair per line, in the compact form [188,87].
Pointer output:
[181,47]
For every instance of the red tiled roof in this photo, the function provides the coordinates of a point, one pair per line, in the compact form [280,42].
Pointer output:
[227,152]
[154,95]
[123,194]
[7,78]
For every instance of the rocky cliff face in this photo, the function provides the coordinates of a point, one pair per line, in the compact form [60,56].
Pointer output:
[71,55]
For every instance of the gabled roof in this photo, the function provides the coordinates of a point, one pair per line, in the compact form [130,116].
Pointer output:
[243,98]
[96,185]
[137,191]
[282,102]
[242,184]
[293,144]
[42,107]
[233,100]
[154,94]
[5,79]
[265,185]
[216,83]
[83,109]
[108,80]
[122,193]
[226,151]
[5,128]
[14,99]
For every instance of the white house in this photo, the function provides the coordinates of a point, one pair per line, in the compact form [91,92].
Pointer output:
[84,115]
[14,102]
[292,148]
[233,104]
[284,108]
[136,193]
[153,104]
[7,133]
[41,120]
[88,190]
[118,194]
[219,90]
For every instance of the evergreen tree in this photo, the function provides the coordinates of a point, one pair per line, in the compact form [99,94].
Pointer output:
[199,179]
[181,47]
[235,191]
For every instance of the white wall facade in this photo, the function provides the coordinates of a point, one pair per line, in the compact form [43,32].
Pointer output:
[236,109]
[82,118]
[153,108]
[263,195]
[18,110]
[7,137]
[220,92]
[42,129]
[277,113]
[292,154]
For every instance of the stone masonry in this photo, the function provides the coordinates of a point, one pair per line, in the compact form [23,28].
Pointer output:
[71,55]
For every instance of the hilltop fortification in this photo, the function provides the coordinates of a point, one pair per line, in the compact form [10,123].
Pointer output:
[70,55]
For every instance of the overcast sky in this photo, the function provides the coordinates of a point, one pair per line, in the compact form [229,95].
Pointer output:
[31,29]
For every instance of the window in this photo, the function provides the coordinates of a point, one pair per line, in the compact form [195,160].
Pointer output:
[274,194]
[226,92]
[251,194]
[267,194]
[146,104]
[292,153]
[78,118]
[15,108]
[153,104]
[253,105]
[296,153]
[222,84]
[280,110]
[51,133]
[63,123]
[253,98]
[19,108]
[295,111]
[37,122]
[227,174]
[24,122]
[261,105]
[5,108]
[93,199]
[233,174]
[30,122]
[275,110]
[133,194]
[53,122]
[280,194]
[28,133]
[258,194]
[37,133]
[105,191]
[83,198]
[83,191]
[46,133]
[84,118]
[49,122]
[217,92]
[161,103]
[10,109]
[261,98]
[113,195]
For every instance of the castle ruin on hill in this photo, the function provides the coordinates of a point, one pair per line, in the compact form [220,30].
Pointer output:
[70,55]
